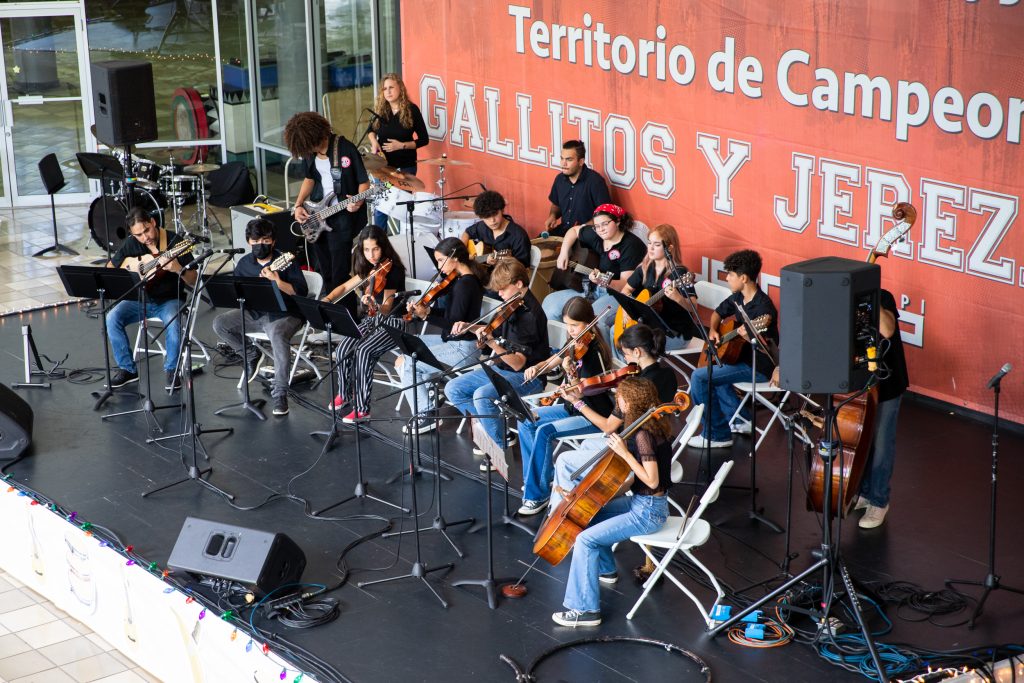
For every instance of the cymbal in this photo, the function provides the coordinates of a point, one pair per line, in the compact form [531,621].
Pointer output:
[165,154]
[200,169]
[403,181]
[374,162]
[443,160]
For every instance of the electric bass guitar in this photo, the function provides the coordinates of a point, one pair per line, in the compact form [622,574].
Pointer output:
[622,320]
[320,211]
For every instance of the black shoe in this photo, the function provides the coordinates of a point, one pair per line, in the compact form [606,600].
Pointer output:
[122,377]
[173,381]
[251,363]
[281,405]
[422,425]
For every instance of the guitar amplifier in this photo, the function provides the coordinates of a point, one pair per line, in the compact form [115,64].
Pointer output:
[282,220]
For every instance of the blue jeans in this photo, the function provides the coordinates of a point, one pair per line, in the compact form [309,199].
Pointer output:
[473,394]
[453,353]
[623,517]
[875,484]
[537,444]
[725,399]
[570,461]
[380,219]
[128,312]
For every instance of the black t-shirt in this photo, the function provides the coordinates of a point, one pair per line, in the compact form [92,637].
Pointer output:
[622,257]
[391,128]
[514,239]
[591,365]
[164,285]
[395,281]
[352,175]
[892,356]
[674,315]
[577,201]
[664,379]
[760,304]
[528,327]
[644,448]
[463,297]
[248,266]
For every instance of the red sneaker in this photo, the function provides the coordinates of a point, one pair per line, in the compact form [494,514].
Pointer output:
[354,415]
[337,403]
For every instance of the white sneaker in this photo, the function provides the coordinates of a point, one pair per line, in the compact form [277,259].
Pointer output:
[873,517]
[740,428]
[861,504]
[317,338]
[700,442]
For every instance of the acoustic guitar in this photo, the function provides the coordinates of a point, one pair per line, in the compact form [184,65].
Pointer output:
[481,253]
[622,320]
[150,267]
[730,343]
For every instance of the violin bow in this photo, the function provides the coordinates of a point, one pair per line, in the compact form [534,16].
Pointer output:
[572,341]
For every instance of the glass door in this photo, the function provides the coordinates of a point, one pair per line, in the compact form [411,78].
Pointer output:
[44,99]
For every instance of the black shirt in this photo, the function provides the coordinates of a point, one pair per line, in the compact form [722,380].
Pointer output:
[514,239]
[644,448]
[891,353]
[352,175]
[760,305]
[528,327]
[664,379]
[622,257]
[248,266]
[577,201]
[391,128]
[394,280]
[591,365]
[464,297]
[165,284]
[674,315]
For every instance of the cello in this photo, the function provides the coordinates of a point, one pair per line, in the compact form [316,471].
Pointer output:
[855,412]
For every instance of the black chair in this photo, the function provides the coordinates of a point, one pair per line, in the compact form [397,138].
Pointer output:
[53,180]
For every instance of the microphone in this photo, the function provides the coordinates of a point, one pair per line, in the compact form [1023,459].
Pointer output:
[998,377]
[373,114]
[236,250]
[518,348]
[411,292]
[198,238]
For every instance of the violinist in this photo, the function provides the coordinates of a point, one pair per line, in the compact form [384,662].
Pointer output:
[526,334]
[459,282]
[377,301]
[649,455]
[588,357]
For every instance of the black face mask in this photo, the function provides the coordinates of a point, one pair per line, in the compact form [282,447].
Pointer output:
[262,251]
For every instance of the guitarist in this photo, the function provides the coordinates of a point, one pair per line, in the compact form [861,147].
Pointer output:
[496,230]
[742,269]
[331,164]
[162,297]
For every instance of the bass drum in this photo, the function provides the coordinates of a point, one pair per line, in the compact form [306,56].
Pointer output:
[107,226]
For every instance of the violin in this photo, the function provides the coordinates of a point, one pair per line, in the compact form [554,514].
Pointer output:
[435,291]
[375,285]
[593,385]
[500,318]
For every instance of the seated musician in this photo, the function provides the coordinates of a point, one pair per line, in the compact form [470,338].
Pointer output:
[279,327]
[742,269]
[619,252]
[662,265]
[357,358]
[162,296]
[496,230]
[575,192]
[648,453]
[527,328]
[462,297]
[537,439]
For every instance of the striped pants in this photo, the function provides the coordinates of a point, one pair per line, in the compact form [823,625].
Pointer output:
[357,358]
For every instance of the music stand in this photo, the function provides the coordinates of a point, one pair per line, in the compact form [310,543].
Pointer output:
[98,167]
[252,293]
[642,313]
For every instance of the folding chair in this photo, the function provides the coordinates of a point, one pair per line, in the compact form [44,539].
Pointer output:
[764,390]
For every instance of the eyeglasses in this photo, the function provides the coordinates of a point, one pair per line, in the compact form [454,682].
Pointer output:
[604,224]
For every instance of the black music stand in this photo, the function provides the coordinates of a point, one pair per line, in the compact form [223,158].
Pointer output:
[248,293]
[90,282]
[100,167]
[642,313]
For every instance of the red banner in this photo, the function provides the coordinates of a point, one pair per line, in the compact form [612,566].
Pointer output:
[791,127]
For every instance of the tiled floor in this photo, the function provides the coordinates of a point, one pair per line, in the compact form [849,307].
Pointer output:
[39,643]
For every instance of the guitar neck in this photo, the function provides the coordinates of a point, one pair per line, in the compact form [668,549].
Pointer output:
[343,204]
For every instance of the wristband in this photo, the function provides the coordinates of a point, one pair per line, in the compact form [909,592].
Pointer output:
[578,405]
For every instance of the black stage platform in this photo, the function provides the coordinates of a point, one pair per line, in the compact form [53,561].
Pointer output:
[937,528]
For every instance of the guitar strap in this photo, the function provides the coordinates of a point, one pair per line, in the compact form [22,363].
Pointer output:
[336,169]
[163,240]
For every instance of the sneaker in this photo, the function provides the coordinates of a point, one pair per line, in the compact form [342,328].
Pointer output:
[609,579]
[353,416]
[861,504]
[873,517]
[421,426]
[337,403]
[574,618]
[122,377]
[740,428]
[700,442]
[317,338]
[487,465]
[173,382]
[281,405]
[532,507]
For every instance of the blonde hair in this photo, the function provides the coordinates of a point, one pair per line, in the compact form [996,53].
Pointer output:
[383,107]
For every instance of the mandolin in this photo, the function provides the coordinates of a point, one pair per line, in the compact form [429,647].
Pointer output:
[622,320]
[282,262]
[730,343]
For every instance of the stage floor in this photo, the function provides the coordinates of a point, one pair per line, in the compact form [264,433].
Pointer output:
[937,528]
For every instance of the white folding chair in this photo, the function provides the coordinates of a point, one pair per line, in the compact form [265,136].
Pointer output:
[690,428]
[682,535]
[156,325]
[535,257]
[764,389]
[389,377]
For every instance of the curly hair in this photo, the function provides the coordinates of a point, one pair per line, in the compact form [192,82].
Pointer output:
[641,395]
[488,203]
[383,108]
[305,132]
[744,262]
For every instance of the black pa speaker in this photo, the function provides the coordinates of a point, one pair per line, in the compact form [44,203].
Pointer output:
[15,424]
[123,102]
[828,319]
[259,560]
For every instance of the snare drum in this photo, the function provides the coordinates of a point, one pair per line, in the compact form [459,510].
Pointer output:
[180,186]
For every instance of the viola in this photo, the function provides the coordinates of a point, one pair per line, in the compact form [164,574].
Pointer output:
[499,319]
[593,385]
[375,285]
[431,294]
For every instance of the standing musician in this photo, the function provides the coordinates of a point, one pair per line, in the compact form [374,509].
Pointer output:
[358,357]
[619,252]
[657,271]
[649,455]
[278,326]
[496,229]
[576,191]
[162,297]
[331,164]
[536,439]
[527,328]
[398,130]
[741,271]
[462,279]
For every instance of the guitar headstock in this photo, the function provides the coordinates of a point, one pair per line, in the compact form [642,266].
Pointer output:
[762,322]
[684,280]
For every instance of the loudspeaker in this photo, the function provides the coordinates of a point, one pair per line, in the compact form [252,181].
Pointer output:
[828,319]
[15,424]
[259,560]
[123,102]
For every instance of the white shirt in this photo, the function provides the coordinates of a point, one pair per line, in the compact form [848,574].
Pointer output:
[323,167]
